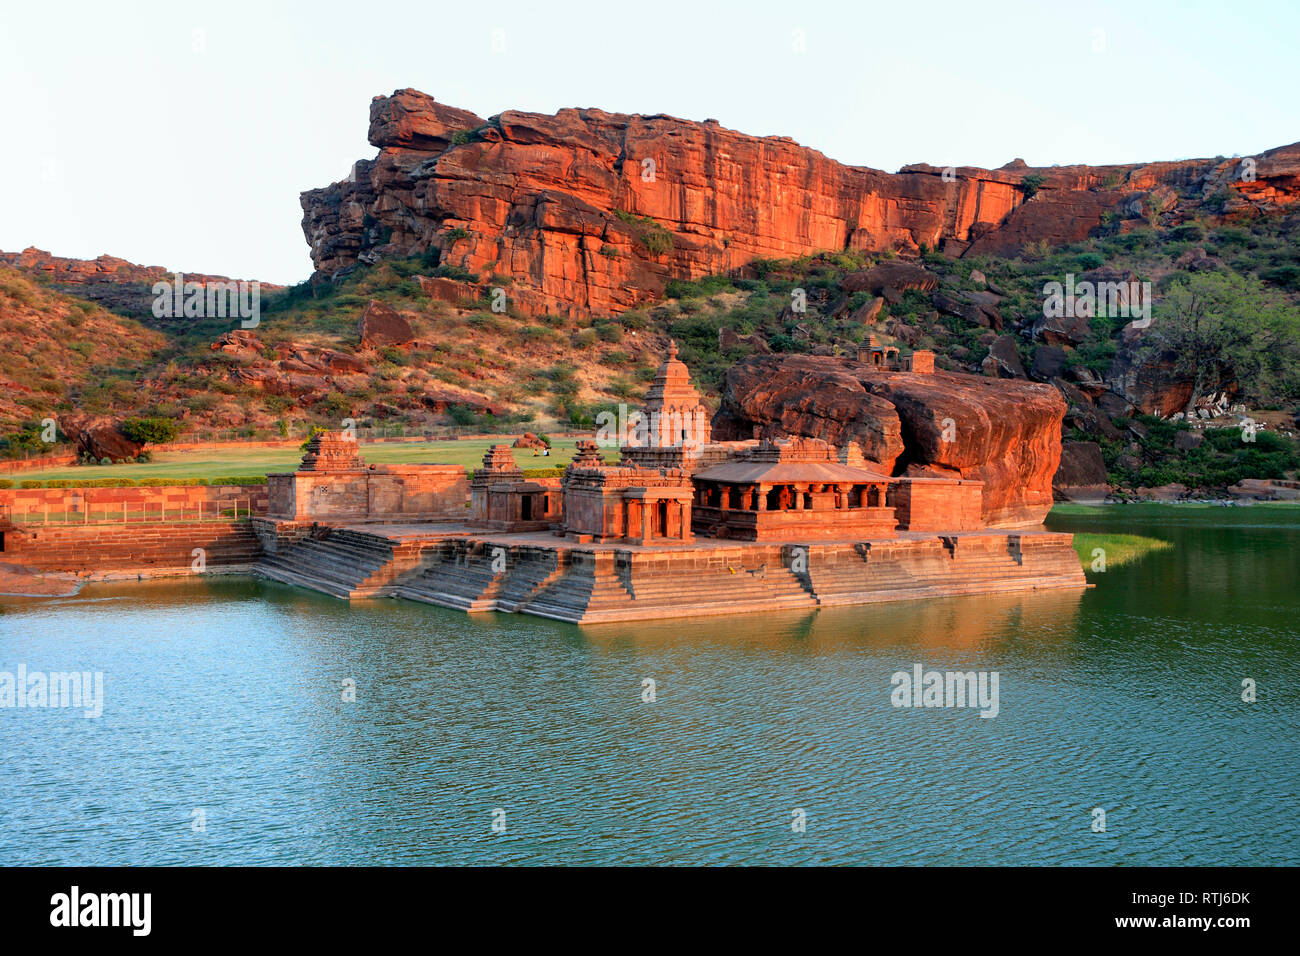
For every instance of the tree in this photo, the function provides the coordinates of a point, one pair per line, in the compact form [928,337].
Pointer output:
[1222,329]
[157,431]
[1030,185]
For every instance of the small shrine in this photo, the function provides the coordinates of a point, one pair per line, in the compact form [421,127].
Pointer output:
[502,499]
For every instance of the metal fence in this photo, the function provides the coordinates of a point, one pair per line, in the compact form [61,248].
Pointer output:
[223,509]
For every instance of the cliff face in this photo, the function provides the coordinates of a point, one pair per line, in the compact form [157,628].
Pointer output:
[1004,433]
[556,203]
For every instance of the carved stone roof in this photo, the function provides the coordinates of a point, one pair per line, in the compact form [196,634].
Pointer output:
[332,451]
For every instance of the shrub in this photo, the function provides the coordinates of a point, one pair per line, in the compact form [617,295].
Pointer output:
[1031,184]
[461,414]
[6,483]
[155,431]
[656,239]
[609,331]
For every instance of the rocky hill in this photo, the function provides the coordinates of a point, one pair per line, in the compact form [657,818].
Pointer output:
[59,350]
[107,280]
[594,212]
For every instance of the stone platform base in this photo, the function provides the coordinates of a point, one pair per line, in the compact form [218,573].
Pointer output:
[593,583]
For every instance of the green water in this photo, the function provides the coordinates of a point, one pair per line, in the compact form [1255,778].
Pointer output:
[224,695]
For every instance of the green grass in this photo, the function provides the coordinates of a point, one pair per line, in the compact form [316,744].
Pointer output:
[1120,549]
[261,461]
[1160,509]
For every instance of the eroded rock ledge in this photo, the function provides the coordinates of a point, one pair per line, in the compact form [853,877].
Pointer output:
[592,212]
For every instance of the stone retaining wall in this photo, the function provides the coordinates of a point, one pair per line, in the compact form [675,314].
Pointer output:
[121,550]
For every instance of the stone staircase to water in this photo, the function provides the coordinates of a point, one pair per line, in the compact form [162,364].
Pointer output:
[588,586]
[572,583]
[343,562]
[967,564]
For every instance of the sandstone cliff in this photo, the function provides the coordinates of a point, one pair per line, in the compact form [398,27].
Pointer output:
[592,212]
[1006,434]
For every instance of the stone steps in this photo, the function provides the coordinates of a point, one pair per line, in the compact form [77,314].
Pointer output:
[347,564]
[590,585]
[643,594]
[980,567]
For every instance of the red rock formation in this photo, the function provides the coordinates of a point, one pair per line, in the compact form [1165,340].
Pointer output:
[100,438]
[1004,433]
[591,212]
[382,325]
[1082,472]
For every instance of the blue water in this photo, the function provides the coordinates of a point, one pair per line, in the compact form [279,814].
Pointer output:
[225,695]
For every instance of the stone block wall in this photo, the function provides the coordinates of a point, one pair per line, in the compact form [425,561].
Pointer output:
[151,548]
[937,504]
[425,491]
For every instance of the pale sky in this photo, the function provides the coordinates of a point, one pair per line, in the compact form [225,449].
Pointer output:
[180,135]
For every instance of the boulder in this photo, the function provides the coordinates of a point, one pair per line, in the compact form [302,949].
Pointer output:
[868,313]
[101,438]
[529,440]
[383,325]
[448,290]
[1049,362]
[1081,474]
[894,277]
[1003,360]
[414,120]
[978,308]
[778,395]
[729,338]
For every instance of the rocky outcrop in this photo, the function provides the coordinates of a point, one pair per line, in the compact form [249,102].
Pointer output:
[112,282]
[382,325]
[773,396]
[1004,433]
[592,212]
[100,438]
[1082,472]
[529,440]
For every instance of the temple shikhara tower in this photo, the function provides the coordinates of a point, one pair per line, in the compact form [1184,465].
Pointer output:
[673,408]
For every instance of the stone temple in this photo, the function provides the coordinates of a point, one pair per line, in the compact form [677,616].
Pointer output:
[650,519]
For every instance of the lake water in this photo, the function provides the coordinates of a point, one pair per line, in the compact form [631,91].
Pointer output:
[223,707]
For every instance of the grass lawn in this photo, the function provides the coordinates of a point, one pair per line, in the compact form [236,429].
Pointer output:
[260,461]
[1120,549]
